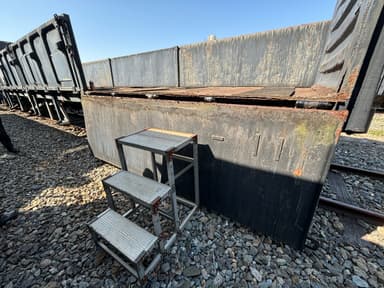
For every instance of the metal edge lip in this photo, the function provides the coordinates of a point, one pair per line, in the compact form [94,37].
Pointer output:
[144,248]
[165,188]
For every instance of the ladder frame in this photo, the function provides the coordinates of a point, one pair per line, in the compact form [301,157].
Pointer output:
[169,155]
[137,269]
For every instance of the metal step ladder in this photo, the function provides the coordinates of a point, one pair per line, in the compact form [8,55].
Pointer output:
[125,241]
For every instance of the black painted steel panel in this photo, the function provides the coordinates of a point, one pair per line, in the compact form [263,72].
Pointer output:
[261,166]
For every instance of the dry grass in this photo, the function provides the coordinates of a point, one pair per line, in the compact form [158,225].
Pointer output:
[376,129]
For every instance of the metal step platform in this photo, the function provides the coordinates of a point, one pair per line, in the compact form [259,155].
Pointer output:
[133,242]
[143,190]
[157,140]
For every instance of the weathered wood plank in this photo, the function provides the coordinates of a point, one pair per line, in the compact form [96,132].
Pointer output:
[337,186]
[283,92]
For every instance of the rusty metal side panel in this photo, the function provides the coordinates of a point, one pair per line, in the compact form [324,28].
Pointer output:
[284,57]
[261,166]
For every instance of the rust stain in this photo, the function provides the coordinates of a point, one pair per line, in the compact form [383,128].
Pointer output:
[298,172]
[337,134]
[346,90]
[342,96]
[314,93]
[353,77]
[341,114]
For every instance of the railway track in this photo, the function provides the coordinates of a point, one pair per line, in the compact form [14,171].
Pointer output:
[353,210]
[360,171]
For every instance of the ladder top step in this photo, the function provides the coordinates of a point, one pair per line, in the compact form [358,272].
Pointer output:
[128,238]
[142,189]
[157,140]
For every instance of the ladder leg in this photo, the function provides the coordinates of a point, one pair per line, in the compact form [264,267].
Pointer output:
[140,271]
[156,223]
[110,201]
[123,162]
[171,181]
[154,170]
[196,171]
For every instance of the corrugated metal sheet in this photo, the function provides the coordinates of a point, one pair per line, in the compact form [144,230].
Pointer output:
[46,59]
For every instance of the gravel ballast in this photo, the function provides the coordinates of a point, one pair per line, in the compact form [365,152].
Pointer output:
[55,183]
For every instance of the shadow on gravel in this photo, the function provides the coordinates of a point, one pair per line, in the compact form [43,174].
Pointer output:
[358,232]
[49,159]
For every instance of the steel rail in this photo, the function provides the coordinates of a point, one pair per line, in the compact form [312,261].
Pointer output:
[366,172]
[352,210]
